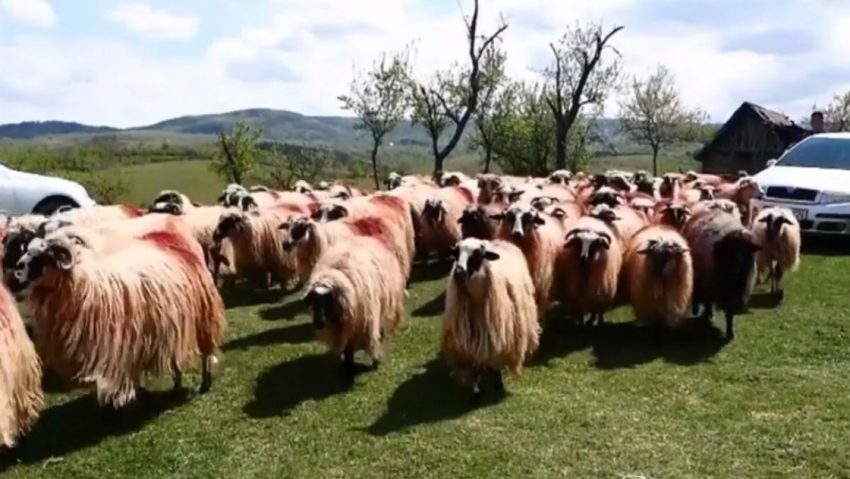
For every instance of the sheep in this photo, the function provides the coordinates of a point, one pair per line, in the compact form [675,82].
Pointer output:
[357,293]
[476,222]
[723,253]
[93,215]
[671,214]
[706,179]
[560,177]
[659,276]
[165,198]
[606,195]
[488,185]
[727,206]
[395,180]
[671,185]
[741,192]
[452,178]
[490,319]
[590,267]
[440,228]
[21,397]
[623,220]
[258,255]
[107,320]
[777,232]
[539,237]
[302,186]
[566,213]
[20,230]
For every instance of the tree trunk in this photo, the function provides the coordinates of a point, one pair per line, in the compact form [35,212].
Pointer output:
[375,166]
[655,161]
[438,165]
[488,158]
[561,146]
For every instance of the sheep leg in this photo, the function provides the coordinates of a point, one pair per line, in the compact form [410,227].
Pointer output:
[476,386]
[780,292]
[730,329]
[206,375]
[498,382]
[178,375]
[347,368]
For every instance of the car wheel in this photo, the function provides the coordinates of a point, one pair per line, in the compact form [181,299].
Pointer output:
[51,204]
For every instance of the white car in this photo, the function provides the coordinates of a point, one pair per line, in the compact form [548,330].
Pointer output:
[23,193]
[812,179]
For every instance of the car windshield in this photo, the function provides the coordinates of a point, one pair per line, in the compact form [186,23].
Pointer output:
[819,153]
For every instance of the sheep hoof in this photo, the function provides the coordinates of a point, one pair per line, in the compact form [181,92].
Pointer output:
[780,296]
[730,329]
[498,382]
[206,384]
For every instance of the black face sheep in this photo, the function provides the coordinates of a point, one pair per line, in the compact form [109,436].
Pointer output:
[21,397]
[107,320]
[475,222]
[660,276]
[439,227]
[357,293]
[490,320]
[777,232]
[723,252]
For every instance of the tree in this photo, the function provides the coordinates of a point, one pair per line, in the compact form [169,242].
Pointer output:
[378,99]
[579,77]
[653,114]
[453,97]
[237,153]
[489,109]
[523,131]
[305,164]
[838,113]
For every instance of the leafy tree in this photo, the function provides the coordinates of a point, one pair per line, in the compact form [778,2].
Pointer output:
[837,113]
[378,99]
[523,130]
[653,114]
[489,108]
[451,98]
[306,164]
[237,153]
[579,77]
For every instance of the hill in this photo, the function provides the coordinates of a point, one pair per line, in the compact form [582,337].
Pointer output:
[34,129]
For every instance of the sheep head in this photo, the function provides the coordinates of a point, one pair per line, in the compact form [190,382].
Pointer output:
[230,223]
[706,192]
[470,255]
[434,212]
[588,244]
[560,177]
[325,305]
[323,186]
[299,230]
[475,223]
[604,213]
[661,255]
[675,215]
[542,202]
[393,180]
[774,220]
[42,255]
[606,195]
[734,261]
[449,179]
[15,246]
[231,194]
[520,219]
[330,212]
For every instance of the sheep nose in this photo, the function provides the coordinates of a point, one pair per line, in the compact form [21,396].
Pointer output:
[459,273]
[288,246]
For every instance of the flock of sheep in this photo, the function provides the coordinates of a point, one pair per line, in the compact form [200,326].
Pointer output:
[117,293]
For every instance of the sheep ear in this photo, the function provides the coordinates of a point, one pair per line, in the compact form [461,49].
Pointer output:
[455,251]
[559,213]
[63,257]
[606,240]
[221,198]
[284,226]
[766,219]
[538,220]
[498,216]
[491,255]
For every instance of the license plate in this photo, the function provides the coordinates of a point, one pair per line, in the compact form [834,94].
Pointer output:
[800,213]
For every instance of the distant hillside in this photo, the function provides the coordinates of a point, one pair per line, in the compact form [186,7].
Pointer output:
[34,129]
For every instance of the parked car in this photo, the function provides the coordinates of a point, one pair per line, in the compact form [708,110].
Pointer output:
[812,179]
[22,193]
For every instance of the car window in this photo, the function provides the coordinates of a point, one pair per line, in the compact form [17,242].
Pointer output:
[819,153]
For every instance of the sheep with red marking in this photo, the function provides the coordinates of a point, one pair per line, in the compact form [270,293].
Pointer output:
[21,397]
[777,232]
[592,260]
[539,237]
[357,293]
[439,227]
[108,320]
[659,276]
[490,320]
[723,253]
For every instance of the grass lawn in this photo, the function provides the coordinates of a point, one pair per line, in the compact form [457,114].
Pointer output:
[600,403]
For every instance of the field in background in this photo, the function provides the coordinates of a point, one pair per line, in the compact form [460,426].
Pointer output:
[601,403]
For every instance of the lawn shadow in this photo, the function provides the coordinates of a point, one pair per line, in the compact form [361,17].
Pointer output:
[424,272]
[825,246]
[280,389]
[625,345]
[560,337]
[79,424]
[429,396]
[763,300]
[294,334]
[431,308]
[242,295]
[286,311]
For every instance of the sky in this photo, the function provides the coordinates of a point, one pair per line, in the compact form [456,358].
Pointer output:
[120,63]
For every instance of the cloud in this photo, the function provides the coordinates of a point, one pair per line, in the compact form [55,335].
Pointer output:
[35,13]
[142,19]
[775,42]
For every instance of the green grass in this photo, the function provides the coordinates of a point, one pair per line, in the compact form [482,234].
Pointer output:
[600,403]
[194,178]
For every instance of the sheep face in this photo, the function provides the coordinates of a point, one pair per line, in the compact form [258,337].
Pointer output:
[560,177]
[325,306]
[470,255]
[323,186]
[474,223]
[41,255]
[231,194]
[662,255]
[606,196]
[646,186]
[15,246]
[669,183]
[542,202]
[299,230]
[620,183]
[599,180]
[489,182]
[588,244]
[521,220]
[330,212]
[706,192]
[449,180]
[167,208]
[641,177]
[674,215]
[605,213]
[393,181]
[434,211]
[773,224]
[168,196]
[229,224]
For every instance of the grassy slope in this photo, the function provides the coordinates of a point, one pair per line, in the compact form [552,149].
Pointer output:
[594,404]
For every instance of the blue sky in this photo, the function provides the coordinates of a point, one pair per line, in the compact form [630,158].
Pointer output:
[127,63]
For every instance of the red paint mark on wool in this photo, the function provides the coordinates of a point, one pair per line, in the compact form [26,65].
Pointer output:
[392,202]
[175,244]
[465,193]
[372,227]
[131,212]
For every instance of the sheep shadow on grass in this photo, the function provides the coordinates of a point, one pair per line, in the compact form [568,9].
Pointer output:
[242,295]
[431,308]
[431,395]
[79,424]
[289,310]
[424,272]
[764,300]
[294,334]
[282,388]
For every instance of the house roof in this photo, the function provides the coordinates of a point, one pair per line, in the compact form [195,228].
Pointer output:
[785,128]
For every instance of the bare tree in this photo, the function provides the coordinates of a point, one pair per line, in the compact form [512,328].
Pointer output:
[454,97]
[490,108]
[379,100]
[838,113]
[579,76]
[653,114]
